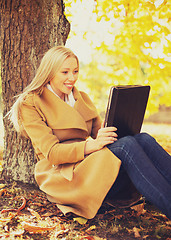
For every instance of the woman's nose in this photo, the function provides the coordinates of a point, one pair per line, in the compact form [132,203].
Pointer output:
[71,77]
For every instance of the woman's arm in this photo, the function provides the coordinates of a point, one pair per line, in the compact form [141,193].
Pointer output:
[105,136]
[43,138]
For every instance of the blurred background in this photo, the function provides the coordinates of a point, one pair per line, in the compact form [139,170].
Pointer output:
[123,42]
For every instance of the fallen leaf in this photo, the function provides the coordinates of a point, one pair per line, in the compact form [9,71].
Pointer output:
[17,233]
[87,237]
[146,236]
[136,232]
[139,209]
[93,227]
[32,228]
[34,213]
[61,232]
[2,185]
[9,218]
[2,191]
[119,216]
[16,209]
[80,220]
[98,238]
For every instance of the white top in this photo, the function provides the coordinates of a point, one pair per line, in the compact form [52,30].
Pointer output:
[69,98]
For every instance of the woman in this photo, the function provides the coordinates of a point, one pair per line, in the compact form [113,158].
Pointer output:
[79,161]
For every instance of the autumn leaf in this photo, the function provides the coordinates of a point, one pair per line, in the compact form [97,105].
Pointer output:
[136,232]
[9,218]
[61,232]
[34,213]
[32,228]
[139,209]
[87,237]
[93,227]
[80,220]
[2,185]
[2,191]
[16,209]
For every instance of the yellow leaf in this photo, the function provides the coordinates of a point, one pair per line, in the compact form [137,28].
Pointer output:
[80,220]
[136,232]
[2,185]
[93,227]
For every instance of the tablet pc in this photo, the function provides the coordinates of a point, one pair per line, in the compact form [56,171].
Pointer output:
[126,108]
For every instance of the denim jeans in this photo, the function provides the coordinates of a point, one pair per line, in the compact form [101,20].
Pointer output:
[148,166]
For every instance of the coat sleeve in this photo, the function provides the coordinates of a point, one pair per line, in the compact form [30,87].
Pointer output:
[43,138]
[95,127]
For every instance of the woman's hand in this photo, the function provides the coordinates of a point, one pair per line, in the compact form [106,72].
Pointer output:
[105,136]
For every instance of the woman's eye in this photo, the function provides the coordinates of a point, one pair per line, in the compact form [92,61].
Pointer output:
[65,72]
[76,71]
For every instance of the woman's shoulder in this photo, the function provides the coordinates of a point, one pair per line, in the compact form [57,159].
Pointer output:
[29,98]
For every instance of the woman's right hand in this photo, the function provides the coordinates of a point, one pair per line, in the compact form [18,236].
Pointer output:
[105,136]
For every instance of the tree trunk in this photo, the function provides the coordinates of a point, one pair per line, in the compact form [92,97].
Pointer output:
[28,30]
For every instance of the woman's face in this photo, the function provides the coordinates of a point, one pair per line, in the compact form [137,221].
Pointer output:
[65,78]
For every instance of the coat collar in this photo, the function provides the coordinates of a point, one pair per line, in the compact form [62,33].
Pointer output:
[65,116]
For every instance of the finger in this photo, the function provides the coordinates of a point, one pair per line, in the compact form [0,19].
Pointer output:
[109,141]
[107,133]
[109,129]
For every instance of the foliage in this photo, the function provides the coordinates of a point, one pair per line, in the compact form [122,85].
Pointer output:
[135,47]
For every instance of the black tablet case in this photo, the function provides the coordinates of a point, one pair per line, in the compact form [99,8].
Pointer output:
[126,108]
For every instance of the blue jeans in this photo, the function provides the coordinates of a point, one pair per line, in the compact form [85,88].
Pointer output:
[148,166]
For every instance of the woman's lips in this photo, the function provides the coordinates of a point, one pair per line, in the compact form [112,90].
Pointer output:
[69,86]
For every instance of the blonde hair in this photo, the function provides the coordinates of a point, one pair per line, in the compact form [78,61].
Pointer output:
[49,66]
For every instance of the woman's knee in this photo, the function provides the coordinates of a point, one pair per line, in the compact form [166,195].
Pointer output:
[143,138]
[122,143]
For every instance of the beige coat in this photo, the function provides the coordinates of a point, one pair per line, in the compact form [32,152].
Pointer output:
[58,132]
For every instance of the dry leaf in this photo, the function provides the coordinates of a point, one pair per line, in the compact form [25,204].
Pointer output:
[34,213]
[98,238]
[61,232]
[139,209]
[36,229]
[8,219]
[2,191]
[146,236]
[91,228]
[119,216]
[16,209]
[87,237]
[17,232]
[136,232]
[80,220]
[2,185]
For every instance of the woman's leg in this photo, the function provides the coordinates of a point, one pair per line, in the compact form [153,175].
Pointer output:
[122,182]
[160,158]
[143,173]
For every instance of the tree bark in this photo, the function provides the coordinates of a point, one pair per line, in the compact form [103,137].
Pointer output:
[28,30]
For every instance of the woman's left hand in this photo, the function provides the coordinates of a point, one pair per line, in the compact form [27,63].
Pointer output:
[105,136]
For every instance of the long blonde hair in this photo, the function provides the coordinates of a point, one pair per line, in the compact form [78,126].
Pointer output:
[49,66]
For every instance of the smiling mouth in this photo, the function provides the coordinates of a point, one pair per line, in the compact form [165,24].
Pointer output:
[69,86]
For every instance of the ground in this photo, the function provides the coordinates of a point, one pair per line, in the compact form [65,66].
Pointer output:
[27,214]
